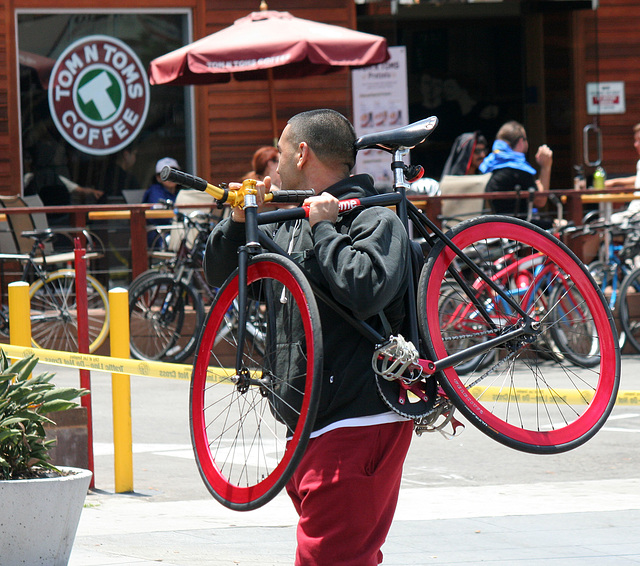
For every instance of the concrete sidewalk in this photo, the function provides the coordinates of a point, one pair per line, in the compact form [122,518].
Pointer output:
[579,523]
[465,501]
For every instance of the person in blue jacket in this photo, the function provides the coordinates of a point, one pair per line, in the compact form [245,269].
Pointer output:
[510,170]
[160,191]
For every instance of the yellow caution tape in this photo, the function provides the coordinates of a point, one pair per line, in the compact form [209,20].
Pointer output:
[536,395]
[628,398]
[115,365]
[183,371]
[101,363]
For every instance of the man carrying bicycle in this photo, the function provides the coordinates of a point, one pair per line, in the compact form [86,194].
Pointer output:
[346,487]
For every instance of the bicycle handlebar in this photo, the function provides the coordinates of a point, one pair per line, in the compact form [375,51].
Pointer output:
[182,178]
[290,196]
[234,197]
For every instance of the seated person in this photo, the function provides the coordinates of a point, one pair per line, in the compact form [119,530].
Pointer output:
[466,155]
[160,191]
[632,181]
[46,180]
[510,170]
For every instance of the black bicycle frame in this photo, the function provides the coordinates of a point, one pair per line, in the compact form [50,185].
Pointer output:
[258,240]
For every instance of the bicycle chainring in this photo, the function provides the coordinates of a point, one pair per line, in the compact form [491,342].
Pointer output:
[415,404]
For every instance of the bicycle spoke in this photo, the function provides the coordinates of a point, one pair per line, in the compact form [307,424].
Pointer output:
[250,424]
[543,392]
[54,312]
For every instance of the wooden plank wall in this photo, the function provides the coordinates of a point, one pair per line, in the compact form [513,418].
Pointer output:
[9,132]
[558,99]
[231,120]
[616,58]
[234,119]
[237,117]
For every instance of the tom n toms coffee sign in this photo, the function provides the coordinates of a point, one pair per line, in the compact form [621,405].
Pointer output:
[99,95]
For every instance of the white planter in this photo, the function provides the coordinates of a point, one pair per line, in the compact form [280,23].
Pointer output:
[39,518]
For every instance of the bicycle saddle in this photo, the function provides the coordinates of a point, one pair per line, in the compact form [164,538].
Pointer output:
[43,235]
[406,137]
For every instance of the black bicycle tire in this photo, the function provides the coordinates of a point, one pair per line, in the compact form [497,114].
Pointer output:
[596,268]
[562,344]
[480,361]
[623,308]
[258,401]
[142,277]
[195,301]
[477,411]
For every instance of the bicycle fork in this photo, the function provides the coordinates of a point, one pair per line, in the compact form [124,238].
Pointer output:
[252,246]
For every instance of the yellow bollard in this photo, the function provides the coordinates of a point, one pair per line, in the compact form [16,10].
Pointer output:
[121,391]
[19,314]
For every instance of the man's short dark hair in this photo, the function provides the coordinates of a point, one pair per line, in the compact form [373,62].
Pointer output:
[511,132]
[328,134]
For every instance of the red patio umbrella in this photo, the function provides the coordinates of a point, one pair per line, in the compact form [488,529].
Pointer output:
[268,45]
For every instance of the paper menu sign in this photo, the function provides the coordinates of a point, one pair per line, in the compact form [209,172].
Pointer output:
[380,102]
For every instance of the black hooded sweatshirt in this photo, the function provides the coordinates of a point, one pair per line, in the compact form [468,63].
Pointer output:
[362,261]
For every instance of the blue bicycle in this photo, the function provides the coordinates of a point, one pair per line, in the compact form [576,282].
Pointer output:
[615,264]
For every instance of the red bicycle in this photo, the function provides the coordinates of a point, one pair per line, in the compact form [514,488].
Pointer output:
[543,292]
[254,397]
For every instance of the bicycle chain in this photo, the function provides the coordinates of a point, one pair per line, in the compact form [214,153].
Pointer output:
[493,367]
[465,336]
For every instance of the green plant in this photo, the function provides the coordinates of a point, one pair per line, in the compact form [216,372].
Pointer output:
[24,402]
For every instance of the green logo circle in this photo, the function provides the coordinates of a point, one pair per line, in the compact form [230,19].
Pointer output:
[103,82]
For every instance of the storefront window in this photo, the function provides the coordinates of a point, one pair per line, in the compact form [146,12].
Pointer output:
[88,112]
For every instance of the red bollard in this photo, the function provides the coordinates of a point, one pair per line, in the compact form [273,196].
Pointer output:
[82,309]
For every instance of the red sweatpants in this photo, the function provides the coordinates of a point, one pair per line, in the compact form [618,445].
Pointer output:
[345,491]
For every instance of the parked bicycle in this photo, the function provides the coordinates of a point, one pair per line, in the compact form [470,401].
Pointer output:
[166,303]
[628,305]
[541,289]
[616,261]
[252,409]
[54,314]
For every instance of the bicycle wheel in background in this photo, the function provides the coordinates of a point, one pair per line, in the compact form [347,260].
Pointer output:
[629,308]
[144,276]
[525,400]
[165,318]
[54,316]
[574,333]
[609,278]
[250,428]
[451,298]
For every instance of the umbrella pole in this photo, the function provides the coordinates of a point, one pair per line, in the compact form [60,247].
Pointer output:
[272,105]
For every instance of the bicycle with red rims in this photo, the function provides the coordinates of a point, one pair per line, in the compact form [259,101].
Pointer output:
[542,290]
[254,393]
